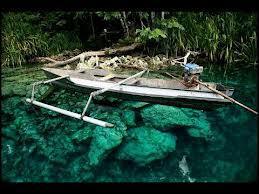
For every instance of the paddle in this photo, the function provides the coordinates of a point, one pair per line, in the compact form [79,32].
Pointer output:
[225,96]
[220,93]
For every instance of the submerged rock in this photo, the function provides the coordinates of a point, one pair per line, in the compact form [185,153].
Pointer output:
[133,105]
[129,118]
[28,132]
[200,125]
[106,139]
[19,84]
[163,117]
[10,132]
[225,171]
[9,90]
[200,132]
[79,170]
[82,135]
[167,117]
[145,144]
[56,148]
[9,105]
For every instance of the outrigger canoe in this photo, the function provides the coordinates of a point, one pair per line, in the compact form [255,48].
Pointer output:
[152,90]
[135,87]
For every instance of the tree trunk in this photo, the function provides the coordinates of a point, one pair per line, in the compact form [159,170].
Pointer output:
[92,24]
[125,23]
[142,25]
[152,16]
[141,21]
[162,15]
[95,53]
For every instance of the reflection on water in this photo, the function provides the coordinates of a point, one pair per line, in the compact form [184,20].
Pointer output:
[150,143]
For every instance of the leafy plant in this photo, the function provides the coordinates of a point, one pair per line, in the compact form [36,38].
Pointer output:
[109,15]
[222,37]
[23,38]
[20,40]
[64,41]
[148,34]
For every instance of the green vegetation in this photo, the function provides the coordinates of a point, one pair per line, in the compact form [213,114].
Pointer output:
[223,38]
[21,39]
[25,35]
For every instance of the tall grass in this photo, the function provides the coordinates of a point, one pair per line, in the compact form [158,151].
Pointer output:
[223,37]
[64,41]
[23,38]
[20,40]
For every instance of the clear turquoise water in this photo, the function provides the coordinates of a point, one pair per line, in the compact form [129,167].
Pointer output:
[146,145]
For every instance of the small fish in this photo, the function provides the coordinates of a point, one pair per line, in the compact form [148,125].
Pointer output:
[9,149]
[191,179]
[185,169]
[183,166]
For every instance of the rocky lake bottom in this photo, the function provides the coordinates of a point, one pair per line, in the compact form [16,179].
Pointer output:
[149,143]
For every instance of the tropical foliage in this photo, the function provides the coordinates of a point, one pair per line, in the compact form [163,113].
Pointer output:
[24,36]
[223,38]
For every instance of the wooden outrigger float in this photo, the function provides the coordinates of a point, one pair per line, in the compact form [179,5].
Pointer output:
[201,95]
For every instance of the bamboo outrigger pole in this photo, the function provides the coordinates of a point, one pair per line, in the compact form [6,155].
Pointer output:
[220,93]
[93,94]
[225,96]
[71,114]
[62,111]
[210,88]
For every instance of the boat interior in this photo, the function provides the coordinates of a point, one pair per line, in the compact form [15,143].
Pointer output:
[108,76]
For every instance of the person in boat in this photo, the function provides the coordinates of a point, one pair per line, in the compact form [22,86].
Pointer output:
[191,72]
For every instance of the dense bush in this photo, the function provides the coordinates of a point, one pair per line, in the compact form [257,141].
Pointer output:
[64,41]
[223,37]
[21,39]
[226,37]
[25,36]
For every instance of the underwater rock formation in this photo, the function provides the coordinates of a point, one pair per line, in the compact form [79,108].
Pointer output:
[204,132]
[167,117]
[79,170]
[146,144]
[11,88]
[106,139]
[133,105]
[10,132]
[201,127]
[56,148]
[10,104]
[129,118]
[162,117]
[82,135]
[43,146]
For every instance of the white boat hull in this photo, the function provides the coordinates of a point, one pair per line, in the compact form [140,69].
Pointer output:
[148,91]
